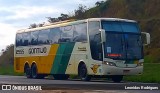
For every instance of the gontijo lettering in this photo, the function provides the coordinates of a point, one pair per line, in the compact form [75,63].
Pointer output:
[37,50]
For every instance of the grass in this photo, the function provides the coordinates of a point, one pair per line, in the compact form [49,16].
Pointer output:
[151,74]
[8,70]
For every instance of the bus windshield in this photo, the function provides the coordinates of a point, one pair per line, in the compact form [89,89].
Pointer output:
[123,40]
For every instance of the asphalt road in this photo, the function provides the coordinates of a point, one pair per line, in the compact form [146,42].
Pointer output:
[4,79]
[50,84]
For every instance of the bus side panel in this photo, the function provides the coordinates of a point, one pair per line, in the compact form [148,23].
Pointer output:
[43,61]
[47,61]
[79,54]
[20,55]
[62,58]
[17,64]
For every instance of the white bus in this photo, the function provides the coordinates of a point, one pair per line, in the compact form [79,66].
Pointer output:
[95,47]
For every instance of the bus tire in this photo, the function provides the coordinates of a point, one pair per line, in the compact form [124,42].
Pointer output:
[82,72]
[117,78]
[27,71]
[34,73]
[61,76]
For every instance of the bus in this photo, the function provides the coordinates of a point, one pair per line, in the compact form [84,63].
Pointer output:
[94,47]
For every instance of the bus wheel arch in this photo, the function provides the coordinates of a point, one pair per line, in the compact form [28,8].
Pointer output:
[83,72]
[27,70]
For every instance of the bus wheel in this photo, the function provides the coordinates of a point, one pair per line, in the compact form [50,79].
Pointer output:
[82,71]
[117,78]
[34,71]
[27,71]
[61,76]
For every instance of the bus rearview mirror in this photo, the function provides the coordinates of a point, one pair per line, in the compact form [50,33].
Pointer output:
[145,38]
[103,35]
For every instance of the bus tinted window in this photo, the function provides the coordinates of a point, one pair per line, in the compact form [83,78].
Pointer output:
[67,33]
[26,39]
[19,39]
[95,40]
[120,26]
[34,37]
[54,35]
[130,27]
[43,37]
[80,33]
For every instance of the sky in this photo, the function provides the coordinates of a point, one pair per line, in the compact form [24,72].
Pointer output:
[19,14]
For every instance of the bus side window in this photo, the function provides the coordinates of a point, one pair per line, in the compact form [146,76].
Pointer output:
[43,36]
[19,39]
[95,40]
[26,39]
[54,35]
[66,33]
[34,37]
[80,32]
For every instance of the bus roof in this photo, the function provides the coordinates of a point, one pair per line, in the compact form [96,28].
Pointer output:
[70,22]
[110,19]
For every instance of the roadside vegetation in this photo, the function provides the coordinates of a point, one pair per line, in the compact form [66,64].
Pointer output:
[146,12]
[151,74]
[9,70]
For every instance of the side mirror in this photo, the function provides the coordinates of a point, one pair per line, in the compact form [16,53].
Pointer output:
[103,35]
[145,38]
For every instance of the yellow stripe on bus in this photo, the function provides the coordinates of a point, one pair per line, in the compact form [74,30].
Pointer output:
[47,61]
[44,63]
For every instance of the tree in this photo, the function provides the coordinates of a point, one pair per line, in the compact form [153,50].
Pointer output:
[64,17]
[98,3]
[34,25]
[52,20]
[2,50]
[41,24]
[7,47]
[80,12]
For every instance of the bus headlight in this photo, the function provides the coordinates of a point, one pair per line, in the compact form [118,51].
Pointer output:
[109,63]
[140,64]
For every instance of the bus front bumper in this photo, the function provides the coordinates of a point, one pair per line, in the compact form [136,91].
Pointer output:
[113,70]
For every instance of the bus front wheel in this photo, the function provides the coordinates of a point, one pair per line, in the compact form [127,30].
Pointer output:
[117,78]
[82,71]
